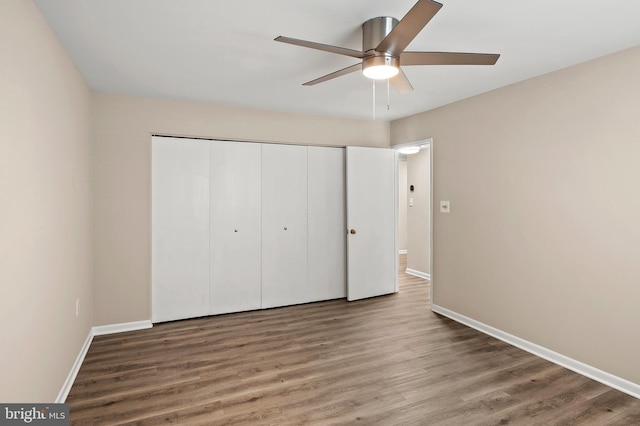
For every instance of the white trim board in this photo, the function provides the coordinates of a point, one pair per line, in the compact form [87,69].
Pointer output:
[95,331]
[121,328]
[418,274]
[586,370]
[66,387]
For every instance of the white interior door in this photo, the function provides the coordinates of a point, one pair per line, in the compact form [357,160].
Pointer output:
[284,225]
[371,219]
[180,228]
[235,208]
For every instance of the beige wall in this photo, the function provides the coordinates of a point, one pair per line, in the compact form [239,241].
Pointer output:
[122,128]
[402,204]
[45,208]
[543,235]
[418,216]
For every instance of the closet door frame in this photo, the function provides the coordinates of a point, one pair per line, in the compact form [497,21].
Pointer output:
[275,289]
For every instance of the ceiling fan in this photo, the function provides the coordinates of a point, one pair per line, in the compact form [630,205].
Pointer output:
[383,42]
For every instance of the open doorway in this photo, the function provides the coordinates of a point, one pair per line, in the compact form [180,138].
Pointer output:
[415,208]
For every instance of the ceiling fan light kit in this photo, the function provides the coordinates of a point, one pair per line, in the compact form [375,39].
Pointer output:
[381,67]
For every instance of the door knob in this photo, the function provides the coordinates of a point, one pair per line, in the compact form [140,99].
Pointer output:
[285,228]
[353,231]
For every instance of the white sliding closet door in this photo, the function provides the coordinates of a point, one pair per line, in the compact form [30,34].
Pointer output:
[327,223]
[235,209]
[180,228]
[284,225]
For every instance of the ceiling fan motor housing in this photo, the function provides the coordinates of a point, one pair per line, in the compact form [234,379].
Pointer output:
[375,30]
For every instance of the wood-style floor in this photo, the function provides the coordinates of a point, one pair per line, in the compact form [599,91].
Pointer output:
[383,361]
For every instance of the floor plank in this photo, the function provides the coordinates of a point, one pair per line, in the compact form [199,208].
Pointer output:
[382,361]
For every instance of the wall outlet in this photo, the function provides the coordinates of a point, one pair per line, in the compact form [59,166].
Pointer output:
[445,207]
[77,306]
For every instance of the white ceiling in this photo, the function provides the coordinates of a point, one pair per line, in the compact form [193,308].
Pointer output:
[223,51]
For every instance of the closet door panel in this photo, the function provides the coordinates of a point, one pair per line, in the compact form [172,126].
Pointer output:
[372,200]
[180,228]
[235,208]
[327,223]
[284,225]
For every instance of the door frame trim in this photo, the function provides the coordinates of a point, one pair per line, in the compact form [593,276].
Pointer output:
[422,143]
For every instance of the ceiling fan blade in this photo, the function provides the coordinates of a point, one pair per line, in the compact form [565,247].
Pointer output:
[409,27]
[347,70]
[320,46]
[447,58]
[401,83]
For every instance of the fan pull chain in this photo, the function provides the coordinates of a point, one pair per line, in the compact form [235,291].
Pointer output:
[374,98]
[388,97]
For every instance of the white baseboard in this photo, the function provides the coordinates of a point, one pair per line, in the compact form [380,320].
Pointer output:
[120,328]
[402,251]
[418,274]
[96,331]
[66,387]
[586,370]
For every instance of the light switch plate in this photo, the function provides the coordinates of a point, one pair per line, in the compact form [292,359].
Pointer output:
[445,207]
